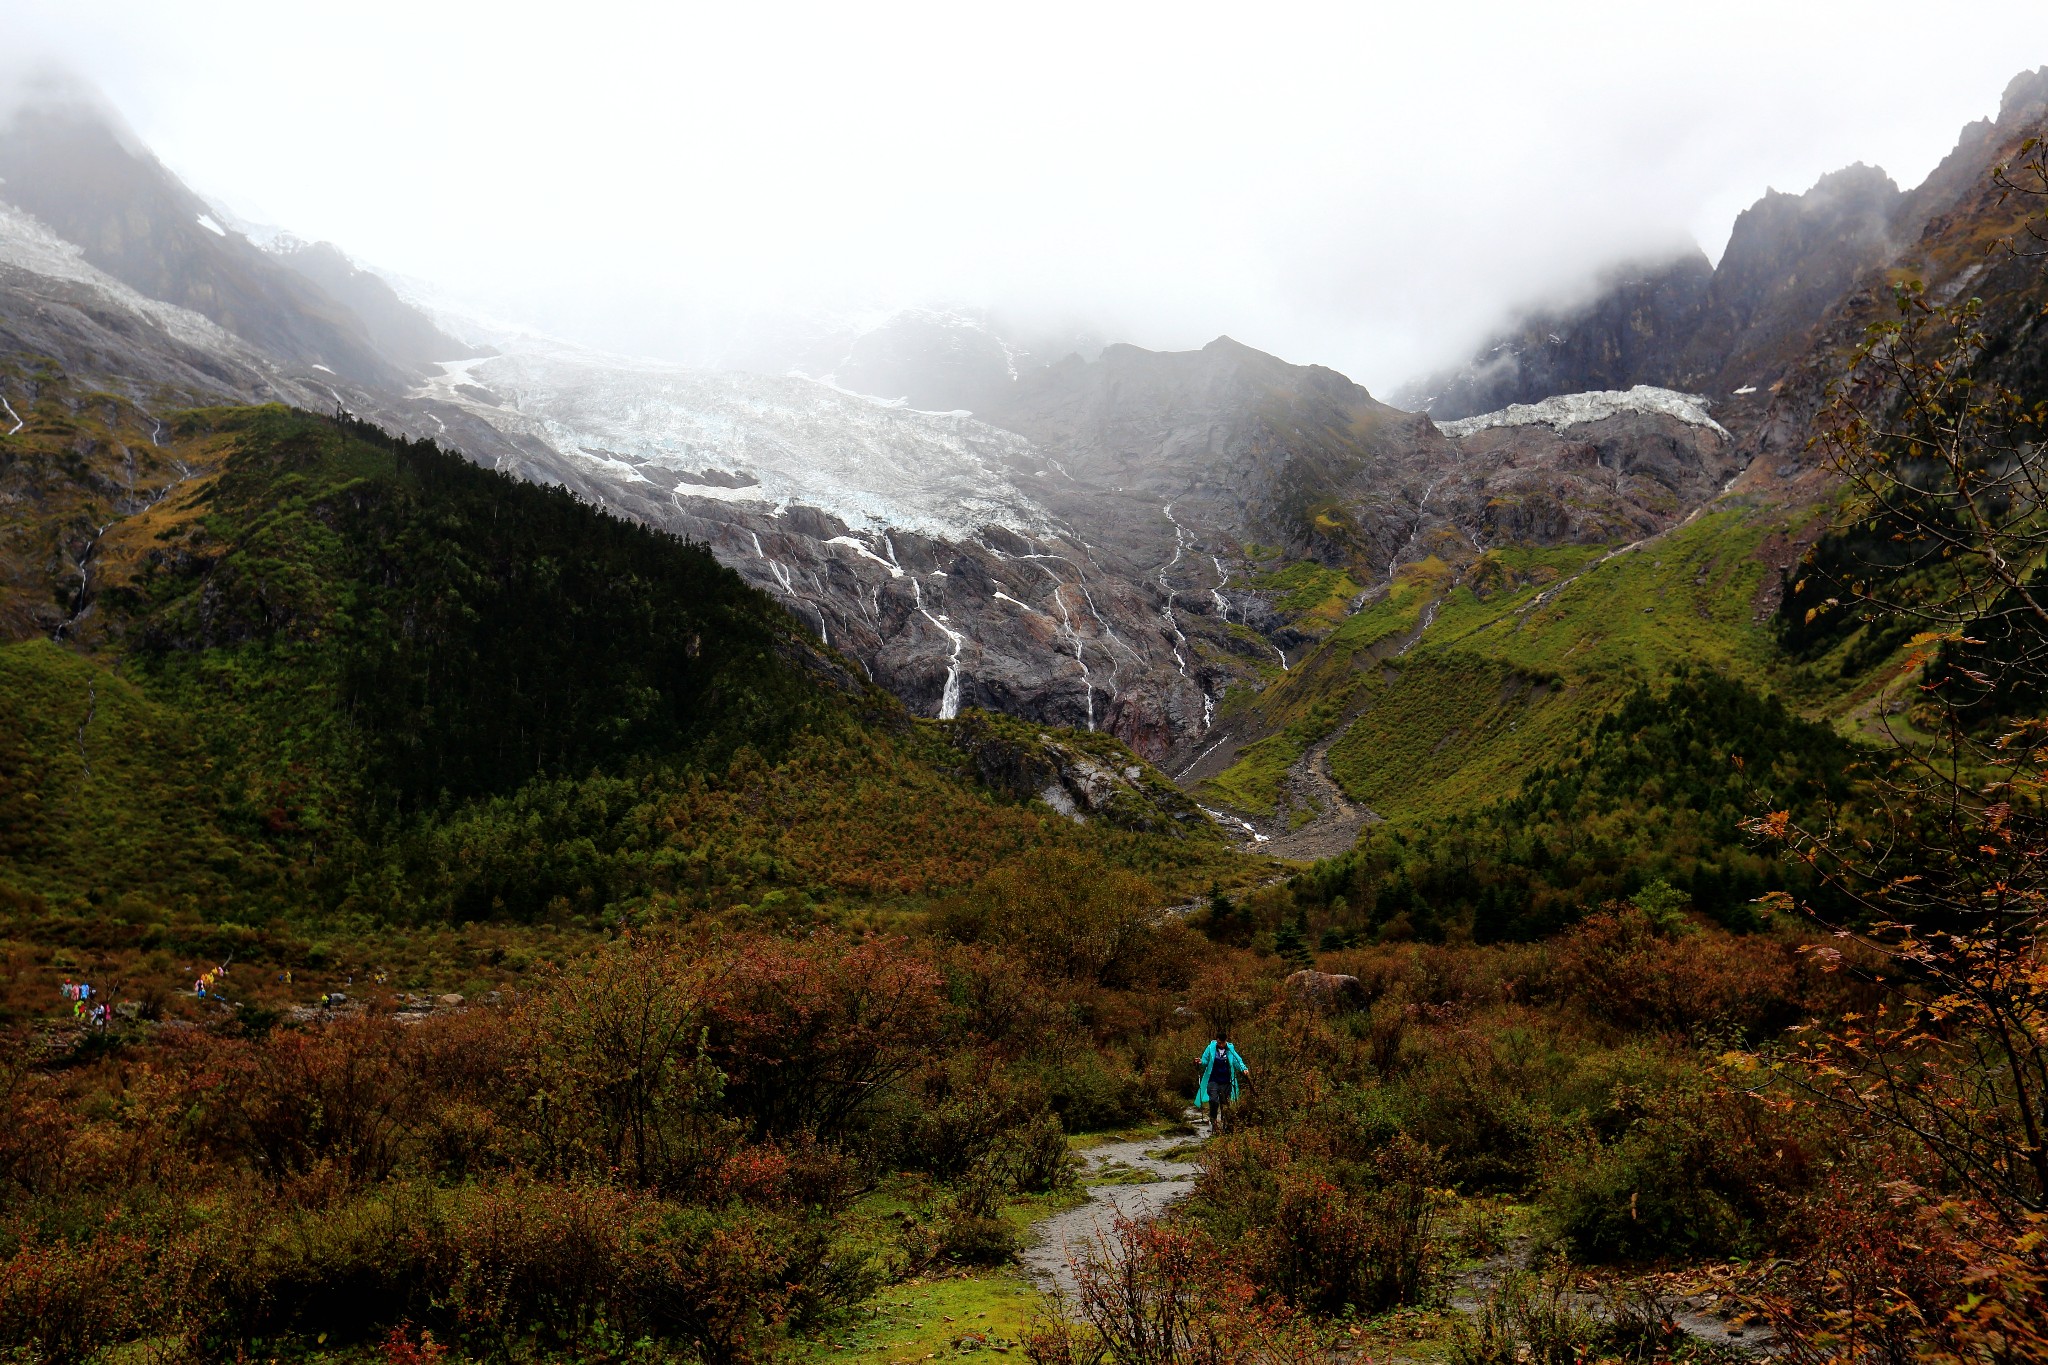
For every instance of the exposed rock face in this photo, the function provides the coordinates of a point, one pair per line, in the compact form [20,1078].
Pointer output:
[1080,785]
[1790,259]
[1249,446]
[1951,227]
[1729,333]
[91,184]
[56,306]
[1632,331]
[1587,467]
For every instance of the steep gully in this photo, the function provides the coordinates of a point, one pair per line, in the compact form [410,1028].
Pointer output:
[81,600]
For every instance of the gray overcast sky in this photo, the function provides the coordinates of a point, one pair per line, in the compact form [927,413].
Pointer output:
[1366,185]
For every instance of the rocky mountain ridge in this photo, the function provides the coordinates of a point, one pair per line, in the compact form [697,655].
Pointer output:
[1736,331]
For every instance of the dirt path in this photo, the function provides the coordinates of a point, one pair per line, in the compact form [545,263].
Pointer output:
[1132,1180]
[1310,783]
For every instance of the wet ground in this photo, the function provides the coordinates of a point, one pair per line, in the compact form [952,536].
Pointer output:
[1134,1179]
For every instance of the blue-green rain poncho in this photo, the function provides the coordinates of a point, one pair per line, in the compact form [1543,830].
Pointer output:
[1237,1068]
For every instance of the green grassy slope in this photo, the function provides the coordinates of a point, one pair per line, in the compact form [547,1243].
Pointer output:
[106,794]
[1501,680]
[1543,730]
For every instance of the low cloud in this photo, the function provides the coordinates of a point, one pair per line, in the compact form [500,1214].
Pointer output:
[1364,186]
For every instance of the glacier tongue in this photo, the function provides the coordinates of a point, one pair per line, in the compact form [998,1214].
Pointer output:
[776,440]
[1570,409]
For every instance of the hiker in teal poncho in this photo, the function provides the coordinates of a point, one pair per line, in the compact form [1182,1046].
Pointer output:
[1221,1066]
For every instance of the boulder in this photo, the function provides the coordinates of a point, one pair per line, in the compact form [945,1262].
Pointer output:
[1325,992]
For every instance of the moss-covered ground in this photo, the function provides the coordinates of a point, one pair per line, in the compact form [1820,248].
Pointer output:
[960,1312]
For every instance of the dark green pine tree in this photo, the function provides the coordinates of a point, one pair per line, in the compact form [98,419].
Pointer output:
[1291,942]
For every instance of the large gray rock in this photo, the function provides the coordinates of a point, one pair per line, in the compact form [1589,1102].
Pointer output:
[1325,992]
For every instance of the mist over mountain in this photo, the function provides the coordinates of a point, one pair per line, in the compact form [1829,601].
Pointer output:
[975,511]
[1730,332]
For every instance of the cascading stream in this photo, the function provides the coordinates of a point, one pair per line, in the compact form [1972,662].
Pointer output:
[1414,530]
[1179,640]
[949,698]
[1080,654]
[1196,761]
[84,561]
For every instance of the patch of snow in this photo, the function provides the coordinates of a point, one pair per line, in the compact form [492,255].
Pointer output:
[206,221]
[890,564]
[1567,410]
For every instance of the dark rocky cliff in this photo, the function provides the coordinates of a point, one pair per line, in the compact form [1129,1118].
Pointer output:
[1729,333]
[1631,332]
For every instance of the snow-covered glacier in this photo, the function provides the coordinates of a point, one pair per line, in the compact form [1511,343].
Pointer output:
[777,441]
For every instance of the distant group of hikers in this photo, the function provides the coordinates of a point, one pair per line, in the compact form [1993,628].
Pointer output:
[211,984]
[85,1008]
[206,986]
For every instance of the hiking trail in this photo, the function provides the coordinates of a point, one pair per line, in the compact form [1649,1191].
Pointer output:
[1138,1180]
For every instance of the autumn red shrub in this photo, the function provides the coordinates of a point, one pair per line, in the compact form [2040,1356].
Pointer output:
[610,1075]
[807,1034]
[67,1301]
[1680,1164]
[1876,1275]
[998,999]
[958,1110]
[1164,1293]
[297,1098]
[398,1348]
[1621,969]
[1072,917]
[35,1141]
[1366,1243]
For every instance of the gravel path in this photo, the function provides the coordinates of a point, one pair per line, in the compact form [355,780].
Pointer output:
[1310,783]
[1123,1179]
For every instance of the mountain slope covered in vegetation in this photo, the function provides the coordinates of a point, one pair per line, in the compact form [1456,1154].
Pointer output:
[323,671]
